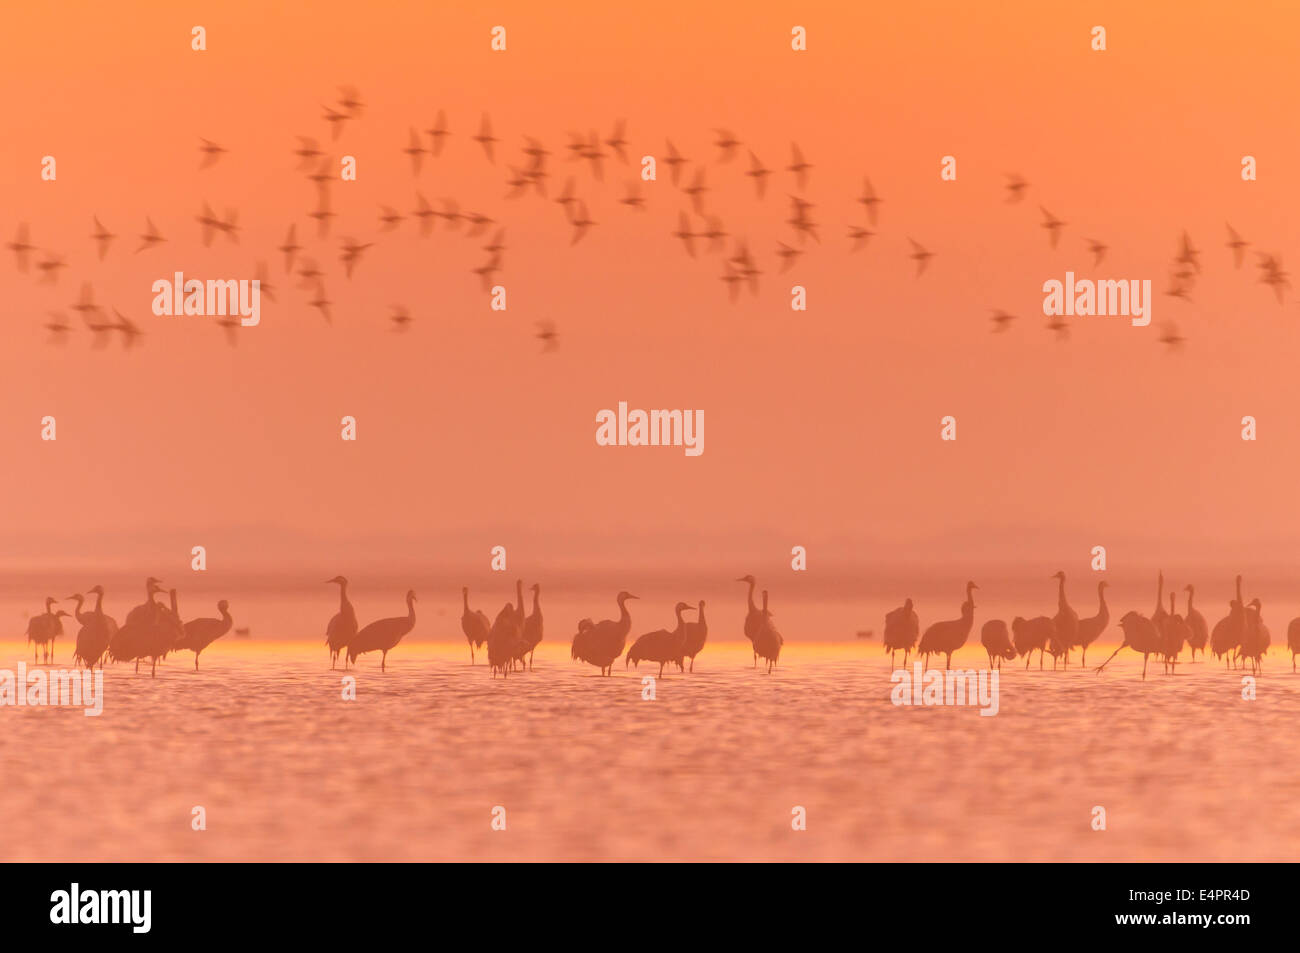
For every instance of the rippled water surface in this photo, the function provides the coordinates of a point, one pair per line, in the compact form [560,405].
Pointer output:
[588,770]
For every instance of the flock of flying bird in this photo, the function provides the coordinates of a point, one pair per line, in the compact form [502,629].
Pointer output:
[1241,638]
[153,630]
[698,227]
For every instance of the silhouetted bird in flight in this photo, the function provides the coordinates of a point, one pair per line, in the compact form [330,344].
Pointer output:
[415,151]
[920,256]
[727,143]
[870,199]
[1098,251]
[307,151]
[674,160]
[485,137]
[102,237]
[1015,187]
[1238,246]
[21,247]
[290,247]
[758,174]
[580,222]
[437,132]
[1001,320]
[211,152]
[685,234]
[547,334]
[616,140]
[798,166]
[1053,226]
[400,317]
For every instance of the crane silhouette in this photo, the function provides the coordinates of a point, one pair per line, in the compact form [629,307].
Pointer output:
[1090,629]
[1225,637]
[96,631]
[134,639]
[902,629]
[1198,633]
[662,646]
[753,615]
[601,643]
[997,642]
[768,641]
[383,635]
[1141,635]
[1030,634]
[532,629]
[1255,639]
[948,636]
[474,623]
[43,629]
[1067,622]
[200,633]
[342,627]
[503,640]
[1173,633]
[697,633]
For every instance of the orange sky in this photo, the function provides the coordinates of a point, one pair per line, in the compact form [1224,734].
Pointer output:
[822,427]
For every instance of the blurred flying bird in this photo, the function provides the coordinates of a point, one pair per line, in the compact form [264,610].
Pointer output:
[57,326]
[336,120]
[920,256]
[674,160]
[322,215]
[799,167]
[263,285]
[1015,187]
[49,267]
[389,218]
[415,151]
[697,190]
[633,199]
[1098,251]
[21,247]
[350,100]
[130,333]
[102,237]
[1238,246]
[787,254]
[869,199]
[307,151]
[1170,337]
[485,137]
[616,140]
[1053,226]
[400,317]
[150,237]
[425,213]
[1060,326]
[437,132]
[211,152]
[685,234]
[1001,320]
[758,174]
[290,247]
[860,236]
[547,334]
[351,255]
[321,303]
[580,222]
[727,143]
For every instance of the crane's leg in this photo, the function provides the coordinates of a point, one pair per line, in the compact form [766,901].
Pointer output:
[947,664]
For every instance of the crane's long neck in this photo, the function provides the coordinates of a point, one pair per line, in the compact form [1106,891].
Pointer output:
[226,620]
[537,594]
[99,603]
[1060,594]
[1101,602]
[752,607]
[343,596]
[1160,592]
[410,609]
[624,617]
[465,596]
[77,611]
[519,596]
[1173,607]
[1238,588]
[1191,593]
[175,610]
[701,615]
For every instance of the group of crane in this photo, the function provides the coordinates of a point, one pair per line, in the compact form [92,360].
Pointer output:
[1241,637]
[151,631]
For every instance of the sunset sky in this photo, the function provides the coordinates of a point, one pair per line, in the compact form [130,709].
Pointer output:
[822,427]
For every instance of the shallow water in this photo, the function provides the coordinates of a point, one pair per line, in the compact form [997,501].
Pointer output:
[587,770]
